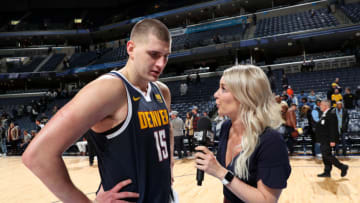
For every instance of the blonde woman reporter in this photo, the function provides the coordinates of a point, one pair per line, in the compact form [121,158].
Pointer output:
[252,160]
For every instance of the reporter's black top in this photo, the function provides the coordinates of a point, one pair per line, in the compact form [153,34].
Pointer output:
[269,161]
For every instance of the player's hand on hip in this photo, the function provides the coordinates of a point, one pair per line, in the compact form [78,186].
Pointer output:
[113,195]
[207,162]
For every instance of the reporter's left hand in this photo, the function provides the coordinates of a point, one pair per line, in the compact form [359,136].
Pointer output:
[207,162]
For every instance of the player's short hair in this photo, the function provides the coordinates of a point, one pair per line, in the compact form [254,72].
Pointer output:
[143,28]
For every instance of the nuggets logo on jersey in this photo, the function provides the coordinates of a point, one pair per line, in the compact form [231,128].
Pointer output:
[158,98]
[153,119]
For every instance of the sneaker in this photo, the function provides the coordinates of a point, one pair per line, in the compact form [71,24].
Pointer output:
[344,170]
[324,175]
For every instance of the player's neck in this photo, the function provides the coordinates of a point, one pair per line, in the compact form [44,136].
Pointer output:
[135,80]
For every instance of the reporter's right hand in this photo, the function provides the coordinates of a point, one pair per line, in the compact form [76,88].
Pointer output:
[113,195]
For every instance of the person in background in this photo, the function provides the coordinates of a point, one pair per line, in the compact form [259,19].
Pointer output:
[177,125]
[290,124]
[328,134]
[336,97]
[3,139]
[312,98]
[349,99]
[314,121]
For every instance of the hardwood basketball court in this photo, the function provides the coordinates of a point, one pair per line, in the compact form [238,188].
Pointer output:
[18,184]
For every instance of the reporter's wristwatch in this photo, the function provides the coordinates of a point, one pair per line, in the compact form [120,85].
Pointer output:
[229,176]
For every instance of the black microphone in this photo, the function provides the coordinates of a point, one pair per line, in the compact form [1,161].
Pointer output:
[200,173]
[204,125]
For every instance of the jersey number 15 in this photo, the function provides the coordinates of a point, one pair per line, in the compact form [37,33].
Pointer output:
[160,140]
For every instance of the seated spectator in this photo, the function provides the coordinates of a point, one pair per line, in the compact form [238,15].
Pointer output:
[336,97]
[25,141]
[294,101]
[303,102]
[312,98]
[349,99]
[301,95]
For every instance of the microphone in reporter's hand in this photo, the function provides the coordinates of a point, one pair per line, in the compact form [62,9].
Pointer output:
[203,126]
[199,174]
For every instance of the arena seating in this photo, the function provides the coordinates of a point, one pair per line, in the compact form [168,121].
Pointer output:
[352,11]
[29,67]
[294,22]
[82,59]
[115,54]
[309,56]
[198,39]
[320,81]
[53,62]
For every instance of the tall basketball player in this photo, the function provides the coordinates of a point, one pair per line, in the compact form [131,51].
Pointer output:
[128,112]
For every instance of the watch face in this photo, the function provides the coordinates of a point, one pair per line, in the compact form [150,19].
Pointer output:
[229,176]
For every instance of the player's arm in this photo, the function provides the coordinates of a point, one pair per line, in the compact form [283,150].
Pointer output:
[167,96]
[44,154]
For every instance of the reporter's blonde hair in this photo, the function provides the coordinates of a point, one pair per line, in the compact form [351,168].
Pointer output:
[258,109]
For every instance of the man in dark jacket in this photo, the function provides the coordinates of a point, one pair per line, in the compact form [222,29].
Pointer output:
[328,135]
